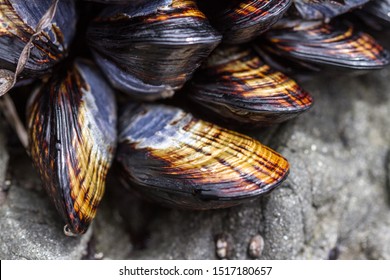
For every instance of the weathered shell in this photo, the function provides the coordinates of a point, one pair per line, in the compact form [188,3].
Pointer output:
[238,85]
[151,50]
[241,21]
[181,161]
[72,138]
[337,43]
[325,9]
[18,21]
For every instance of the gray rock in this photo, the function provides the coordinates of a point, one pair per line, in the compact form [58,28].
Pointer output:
[110,239]
[32,229]
[29,225]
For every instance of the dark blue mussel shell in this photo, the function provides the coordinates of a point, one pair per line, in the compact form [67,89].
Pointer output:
[72,140]
[151,50]
[325,9]
[241,21]
[172,157]
[338,43]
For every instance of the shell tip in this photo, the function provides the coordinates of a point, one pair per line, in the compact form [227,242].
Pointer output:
[68,231]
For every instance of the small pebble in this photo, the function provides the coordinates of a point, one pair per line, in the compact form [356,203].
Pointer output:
[224,246]
[334,253]
[256,246]
[98,256]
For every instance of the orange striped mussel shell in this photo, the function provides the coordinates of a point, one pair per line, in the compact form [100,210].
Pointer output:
[178,160]
[238,85]
[150,51]
[338,43]
[72,139]
[241,21]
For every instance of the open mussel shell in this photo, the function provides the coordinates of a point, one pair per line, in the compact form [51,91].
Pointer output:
[325,10]
[72,138]
[19,19]
[241,21]
[236,84]
[171,157]
[338,43]
[151,50]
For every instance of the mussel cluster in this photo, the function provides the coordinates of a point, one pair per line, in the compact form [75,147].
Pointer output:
[228,57]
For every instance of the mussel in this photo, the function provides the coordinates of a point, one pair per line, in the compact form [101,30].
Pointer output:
[170,156]
[151,50]
[338,43]
[241,21]
[19,19]
[72,135]
[325,9]
[235,83]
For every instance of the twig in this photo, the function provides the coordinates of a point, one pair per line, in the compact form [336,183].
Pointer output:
[8,108]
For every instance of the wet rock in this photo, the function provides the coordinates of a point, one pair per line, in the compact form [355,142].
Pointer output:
[110,238]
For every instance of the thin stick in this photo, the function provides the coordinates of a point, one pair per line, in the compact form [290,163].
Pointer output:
[9,111]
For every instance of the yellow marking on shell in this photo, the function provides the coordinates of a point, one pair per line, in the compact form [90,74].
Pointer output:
[259,79]
[210,154]
[245,9]
[92,168]
[364,45]
[73,172]
[341,37]
[367,46]
[12,24]
[178,9]
[345,43]
[87,179]
[182,4]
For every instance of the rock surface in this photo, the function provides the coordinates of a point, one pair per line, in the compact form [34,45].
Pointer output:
[335,203]
[30,228]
